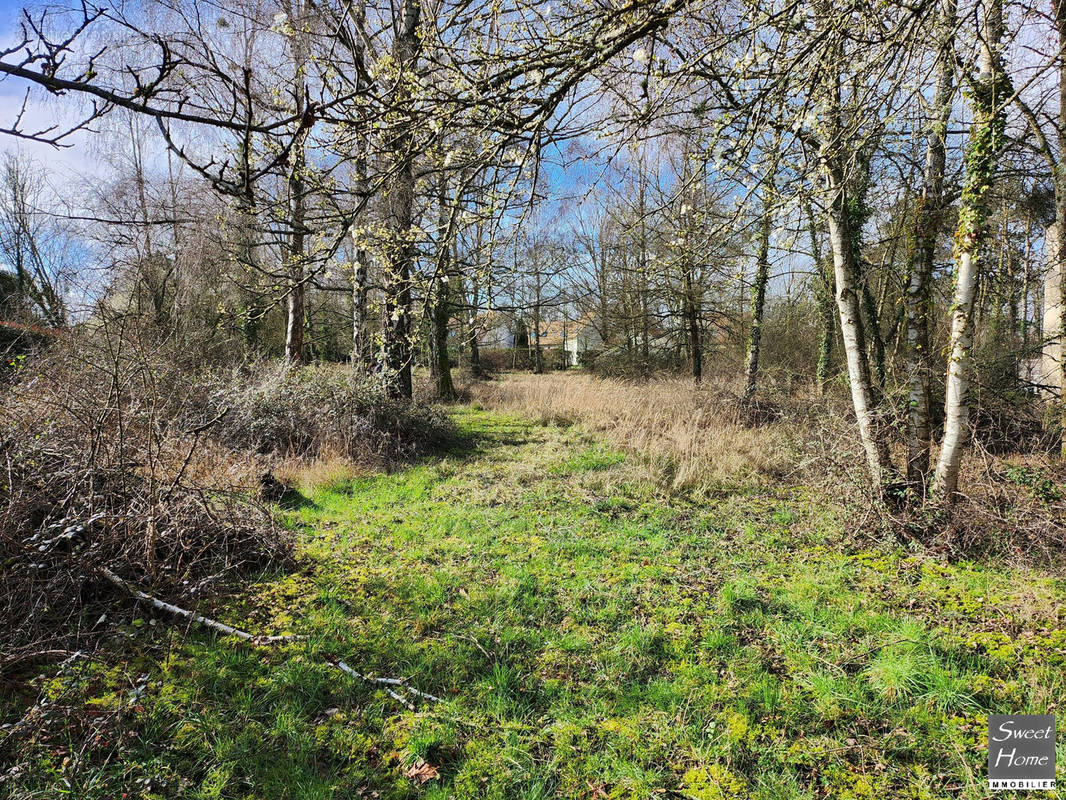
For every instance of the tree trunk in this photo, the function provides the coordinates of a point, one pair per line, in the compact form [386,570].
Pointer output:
[990,90]
[823,292]
[1060,331]
[847,300]
[642,264]
[928,223]
[538,362]
[843,246]
[442,368]
[442,306]
[1060,220]
[692,317]
[475,351]
[829,328]
[758,298]
[859,213]
[361,355]
[295,307]
[400,209]
[294,322]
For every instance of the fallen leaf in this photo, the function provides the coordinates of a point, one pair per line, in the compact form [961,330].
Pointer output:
[421,772]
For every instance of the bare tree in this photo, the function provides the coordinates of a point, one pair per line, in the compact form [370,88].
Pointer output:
[33,243]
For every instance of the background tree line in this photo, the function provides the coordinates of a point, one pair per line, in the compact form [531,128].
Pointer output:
[851,192]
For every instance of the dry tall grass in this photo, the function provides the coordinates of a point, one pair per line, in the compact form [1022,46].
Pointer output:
[700,438]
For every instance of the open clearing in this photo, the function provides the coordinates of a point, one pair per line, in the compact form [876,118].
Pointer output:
[590,636]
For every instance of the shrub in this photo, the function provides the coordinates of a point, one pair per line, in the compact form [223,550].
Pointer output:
[104,470]
[587,358]
[318,411]
[495,360]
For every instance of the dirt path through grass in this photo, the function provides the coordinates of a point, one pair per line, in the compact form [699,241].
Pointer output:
[591,637]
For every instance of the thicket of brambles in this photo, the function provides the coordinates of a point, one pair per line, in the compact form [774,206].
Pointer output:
[296,207]
[126,455]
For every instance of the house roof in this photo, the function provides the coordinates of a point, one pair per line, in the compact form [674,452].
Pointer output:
[551,334]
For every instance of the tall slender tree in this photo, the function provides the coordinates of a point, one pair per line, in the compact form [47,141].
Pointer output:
[989,92]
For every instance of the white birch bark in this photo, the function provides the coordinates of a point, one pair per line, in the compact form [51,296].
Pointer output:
[832,155]
[847,300]
[982,151]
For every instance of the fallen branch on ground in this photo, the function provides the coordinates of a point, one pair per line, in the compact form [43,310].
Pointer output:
[200,619]
[388,682]
[229,630]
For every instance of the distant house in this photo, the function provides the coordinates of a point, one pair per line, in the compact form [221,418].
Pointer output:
[495,330]
[576,337]
[499,330]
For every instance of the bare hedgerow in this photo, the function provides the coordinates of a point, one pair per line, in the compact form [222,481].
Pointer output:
[105,465]
[1012,505]
[315,411]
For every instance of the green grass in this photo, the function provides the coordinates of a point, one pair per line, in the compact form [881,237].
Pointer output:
[590,637]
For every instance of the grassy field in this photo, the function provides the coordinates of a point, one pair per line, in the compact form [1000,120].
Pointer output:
[589,635]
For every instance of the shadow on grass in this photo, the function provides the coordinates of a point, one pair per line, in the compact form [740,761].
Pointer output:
[475,431]
[295,500]
[472,434]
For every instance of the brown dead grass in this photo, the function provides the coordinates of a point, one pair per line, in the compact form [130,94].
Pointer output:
[698,438]
[328,471]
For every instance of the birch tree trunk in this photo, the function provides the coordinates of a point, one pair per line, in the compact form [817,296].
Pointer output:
[294,319]
[847,300]
[927,226]
[296,256]
[859,212]
[843,247]
[989,91]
